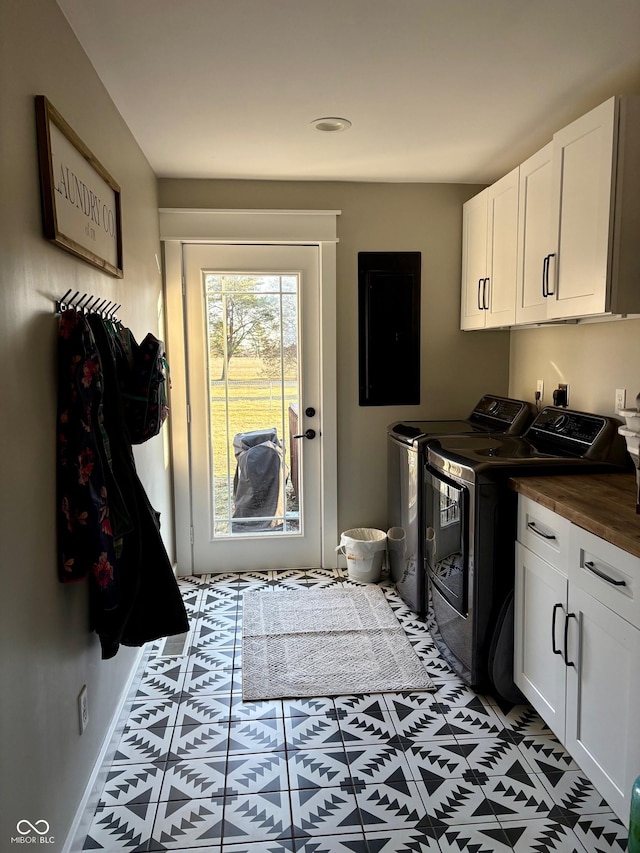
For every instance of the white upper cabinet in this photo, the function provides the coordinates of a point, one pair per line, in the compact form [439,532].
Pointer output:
[474,261]
[577,208]
[595,209]
[489,256]
[583,197]
[536,241]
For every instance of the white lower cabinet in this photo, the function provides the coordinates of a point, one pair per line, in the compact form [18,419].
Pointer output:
[577,650]
[603,695]
[540,610]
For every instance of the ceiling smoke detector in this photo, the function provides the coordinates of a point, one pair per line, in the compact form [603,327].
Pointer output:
[331,124]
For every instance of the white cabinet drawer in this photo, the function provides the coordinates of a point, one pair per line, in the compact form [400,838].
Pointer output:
[544,532]
[609,574]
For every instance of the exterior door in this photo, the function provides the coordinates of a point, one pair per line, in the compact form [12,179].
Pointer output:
[253,344]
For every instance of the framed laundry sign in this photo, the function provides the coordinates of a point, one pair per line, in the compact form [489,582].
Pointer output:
[80,199]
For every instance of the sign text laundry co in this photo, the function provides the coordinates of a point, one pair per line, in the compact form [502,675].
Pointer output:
[80,199]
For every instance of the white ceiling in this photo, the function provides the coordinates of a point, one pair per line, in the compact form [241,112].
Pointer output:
[437,90]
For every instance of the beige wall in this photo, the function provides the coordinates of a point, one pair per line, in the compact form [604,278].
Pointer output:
[457,368]
[47,651]
[593,358]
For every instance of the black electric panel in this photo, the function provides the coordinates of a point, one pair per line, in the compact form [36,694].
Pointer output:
[389,328]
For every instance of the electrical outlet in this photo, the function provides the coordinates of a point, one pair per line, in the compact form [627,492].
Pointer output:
[540,390]
[83,709]
[561,395]
[621,398]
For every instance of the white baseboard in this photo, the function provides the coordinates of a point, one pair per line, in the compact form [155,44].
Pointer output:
[87,806]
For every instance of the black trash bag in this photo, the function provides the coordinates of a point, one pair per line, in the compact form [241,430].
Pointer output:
[501,655]
[258,491]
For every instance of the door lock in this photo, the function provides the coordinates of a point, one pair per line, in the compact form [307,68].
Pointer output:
[310,433]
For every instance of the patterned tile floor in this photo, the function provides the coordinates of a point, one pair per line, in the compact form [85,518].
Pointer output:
[197,769]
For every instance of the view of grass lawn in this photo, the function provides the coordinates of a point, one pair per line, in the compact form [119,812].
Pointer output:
[250,408]
[245,367]
[255,402]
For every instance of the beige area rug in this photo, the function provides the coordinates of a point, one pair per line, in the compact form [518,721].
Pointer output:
[325,642]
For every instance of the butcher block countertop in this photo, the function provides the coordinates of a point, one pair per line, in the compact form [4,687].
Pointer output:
[603,504]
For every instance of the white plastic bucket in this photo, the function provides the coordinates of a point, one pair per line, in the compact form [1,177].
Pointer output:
[364,548]
[397,549]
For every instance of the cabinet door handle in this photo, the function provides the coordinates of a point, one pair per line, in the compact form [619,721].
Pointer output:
[485,288]
[480,306]
[549,292]
[566,637]
[545,276]
[553,630]
[532,527]
[592,568]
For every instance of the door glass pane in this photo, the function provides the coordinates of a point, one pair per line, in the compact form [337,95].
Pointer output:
[253,379]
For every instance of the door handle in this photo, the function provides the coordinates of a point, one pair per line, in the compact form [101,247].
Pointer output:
[480,306]
[484,293]
[309,433]
[545,276]
[566,637]
[548,259]
[553,630]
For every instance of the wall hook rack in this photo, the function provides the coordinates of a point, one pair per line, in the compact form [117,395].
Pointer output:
[88,304]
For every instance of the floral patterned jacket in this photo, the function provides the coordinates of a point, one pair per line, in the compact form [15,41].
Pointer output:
[86,544]
[108,530]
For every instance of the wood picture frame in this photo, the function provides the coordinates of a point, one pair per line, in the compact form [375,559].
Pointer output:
[81,209]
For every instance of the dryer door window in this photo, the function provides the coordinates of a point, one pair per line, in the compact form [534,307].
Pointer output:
[445,537]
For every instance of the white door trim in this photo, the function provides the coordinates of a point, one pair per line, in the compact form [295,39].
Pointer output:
[269,227]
